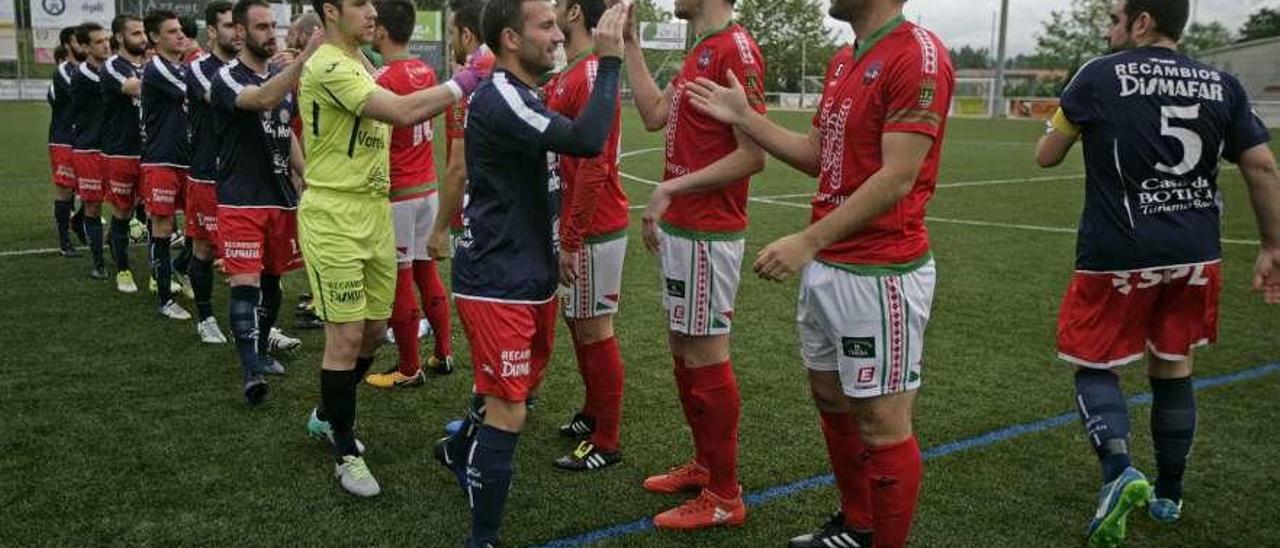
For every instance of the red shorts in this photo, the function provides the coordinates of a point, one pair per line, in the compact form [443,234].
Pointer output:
[62,166]
[201,210]
[254,240]
[122,181]
[162,189]
[1110,319]
[89,174]
[510,344]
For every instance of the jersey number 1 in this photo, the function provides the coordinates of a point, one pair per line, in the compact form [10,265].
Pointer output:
[1192,144]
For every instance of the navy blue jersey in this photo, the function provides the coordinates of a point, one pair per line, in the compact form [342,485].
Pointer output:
[1155,123]
[164,113]
[86,94]
[201,118]
[121,122]
[61,123]
[509,245]
[254,147]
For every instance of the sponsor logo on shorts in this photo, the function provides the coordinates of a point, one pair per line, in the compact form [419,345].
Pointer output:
[348,291]
[241,250]
[858,347]
[675,288]
[866,375]
[515,363]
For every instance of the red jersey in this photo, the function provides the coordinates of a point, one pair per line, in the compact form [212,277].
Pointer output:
[695,140]
[413,167]
[455,124]
[593,202]
[899,79]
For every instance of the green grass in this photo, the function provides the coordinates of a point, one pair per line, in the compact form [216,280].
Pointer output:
[121,429]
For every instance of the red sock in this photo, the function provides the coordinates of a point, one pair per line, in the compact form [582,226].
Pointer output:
[404,323]
[605,391]
[894,472]
[717,406]
[845,449]
[587,379]
[686,405]
[435,303]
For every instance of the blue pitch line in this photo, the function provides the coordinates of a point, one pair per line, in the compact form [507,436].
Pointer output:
[983,440]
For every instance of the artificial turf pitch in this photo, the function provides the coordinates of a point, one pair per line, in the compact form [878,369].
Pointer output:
[120,428]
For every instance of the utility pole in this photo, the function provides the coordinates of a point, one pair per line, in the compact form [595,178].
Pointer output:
[997,98]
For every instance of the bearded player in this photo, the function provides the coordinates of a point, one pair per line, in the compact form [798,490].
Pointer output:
[593,245]
[1154,124]
[61,137]
[122,137]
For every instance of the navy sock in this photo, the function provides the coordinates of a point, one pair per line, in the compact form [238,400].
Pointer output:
[202,286]
[77,223]
[268,312]
[62,221]
[93,232]
[120,243]
[338,398]
[161,267]
[1173,429]
[490,469]
[140,213]
[460,442]
[182,263]
[1106,419]
[244,327]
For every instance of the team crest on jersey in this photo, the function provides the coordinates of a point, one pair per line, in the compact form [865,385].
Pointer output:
[928,91]
[872,74]
[704,59]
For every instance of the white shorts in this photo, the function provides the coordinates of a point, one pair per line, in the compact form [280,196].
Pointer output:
[596,293]
[870,328]
[701,280]
[413,220]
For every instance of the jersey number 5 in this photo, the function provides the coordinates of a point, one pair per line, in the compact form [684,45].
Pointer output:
[1192,144]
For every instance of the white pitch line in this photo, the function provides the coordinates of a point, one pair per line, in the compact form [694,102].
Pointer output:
[21,252]
[773,200]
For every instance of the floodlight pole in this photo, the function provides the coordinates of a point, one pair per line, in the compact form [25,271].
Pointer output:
[997,98]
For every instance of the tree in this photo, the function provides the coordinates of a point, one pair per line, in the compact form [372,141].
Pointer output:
[1204,37]
[1071,37]
[649,10]
[968,57]
[1264,23]
[793,38]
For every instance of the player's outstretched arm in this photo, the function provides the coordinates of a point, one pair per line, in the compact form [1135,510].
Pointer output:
[729,105]
[652,102]
[1060,135]
[273,91]
[902,156]
[406,110]
[585,137]
[1258,165]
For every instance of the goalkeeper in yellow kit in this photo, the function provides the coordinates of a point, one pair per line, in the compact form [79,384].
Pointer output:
[344,219]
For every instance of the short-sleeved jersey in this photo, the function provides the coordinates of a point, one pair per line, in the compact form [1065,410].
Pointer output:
[1154,123]
[510,241]
[567,94]
[86,94]
[121,121]
[898,80]
[345,152]
[203,122]
[413,167]
[62,121]
[254,147]
[695,140]
[164,113]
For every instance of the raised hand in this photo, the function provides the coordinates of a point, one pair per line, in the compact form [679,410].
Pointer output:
[726,104]
[609,31]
